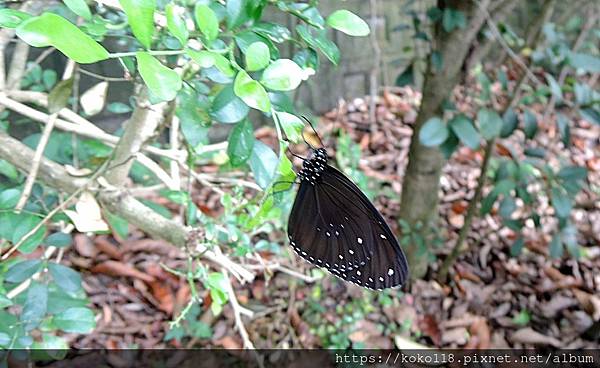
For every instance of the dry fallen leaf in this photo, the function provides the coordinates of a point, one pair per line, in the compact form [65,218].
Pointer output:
[164,295]
[529,336]
[115,268]
[87,216]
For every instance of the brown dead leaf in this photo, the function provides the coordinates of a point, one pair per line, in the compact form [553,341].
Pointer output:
[84,246]
[108,248]
[115,268]
[459,207]
[229,342]
[164,296]
[593,164]
[429,327]
[480,335]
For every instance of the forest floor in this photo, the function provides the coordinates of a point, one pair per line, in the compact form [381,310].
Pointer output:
[493,299]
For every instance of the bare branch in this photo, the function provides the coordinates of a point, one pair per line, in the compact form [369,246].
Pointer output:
[117,201]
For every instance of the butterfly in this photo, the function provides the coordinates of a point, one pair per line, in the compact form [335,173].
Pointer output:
[333,225]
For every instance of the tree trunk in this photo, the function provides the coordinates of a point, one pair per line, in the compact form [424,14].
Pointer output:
[421,182]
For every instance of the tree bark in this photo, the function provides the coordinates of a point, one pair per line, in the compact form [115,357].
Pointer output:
[421,182]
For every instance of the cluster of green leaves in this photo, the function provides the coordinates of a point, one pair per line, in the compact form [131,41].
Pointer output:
[336,334]
[555,54]
[217,61]
[54,300]
[515,178]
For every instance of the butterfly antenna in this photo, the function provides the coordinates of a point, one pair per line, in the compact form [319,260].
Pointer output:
[313,128]
[290,149]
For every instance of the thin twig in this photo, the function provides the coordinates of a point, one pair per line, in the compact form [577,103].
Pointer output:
[39,152]
[376,64]
[516,58]
[237,312]
[102,77]
[41,147]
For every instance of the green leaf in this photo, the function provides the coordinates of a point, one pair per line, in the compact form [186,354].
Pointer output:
[59,96]
[207,21]
[241,142]
[53,30]
[490,123]
[227,107]
[453,19]
[75,320]
[522,319]
[555,88]
[292,126]
[433,133]
[348,22]
[9,198]
[55,347]
[465,131]
[176,23]
[507,206]
[8,170]
[318,40]
[216,282]
[140,15]
[118,108]
[251,92]
[273,31]
[264,163]
[4,339]
[556,247]
[561,202]
[510,121]
[67,279]
[591,115]
[563,127]
[4,302]
[517,246]
[59,240]
[586,62]
[25,224]
[205,59]
[176,196]
[572,173]
[531,124]
[237,12]
[35,306]
[118,224]
[282,75]
[257,56]
[538,152]
[21,271]
[161,81]
[11,18]
[79,7]
[247,38]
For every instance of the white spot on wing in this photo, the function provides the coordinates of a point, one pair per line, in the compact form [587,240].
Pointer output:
[390,272]
[358,273]
[380,278]
[351,251]
[382,236]
[359,240]
[341,256]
